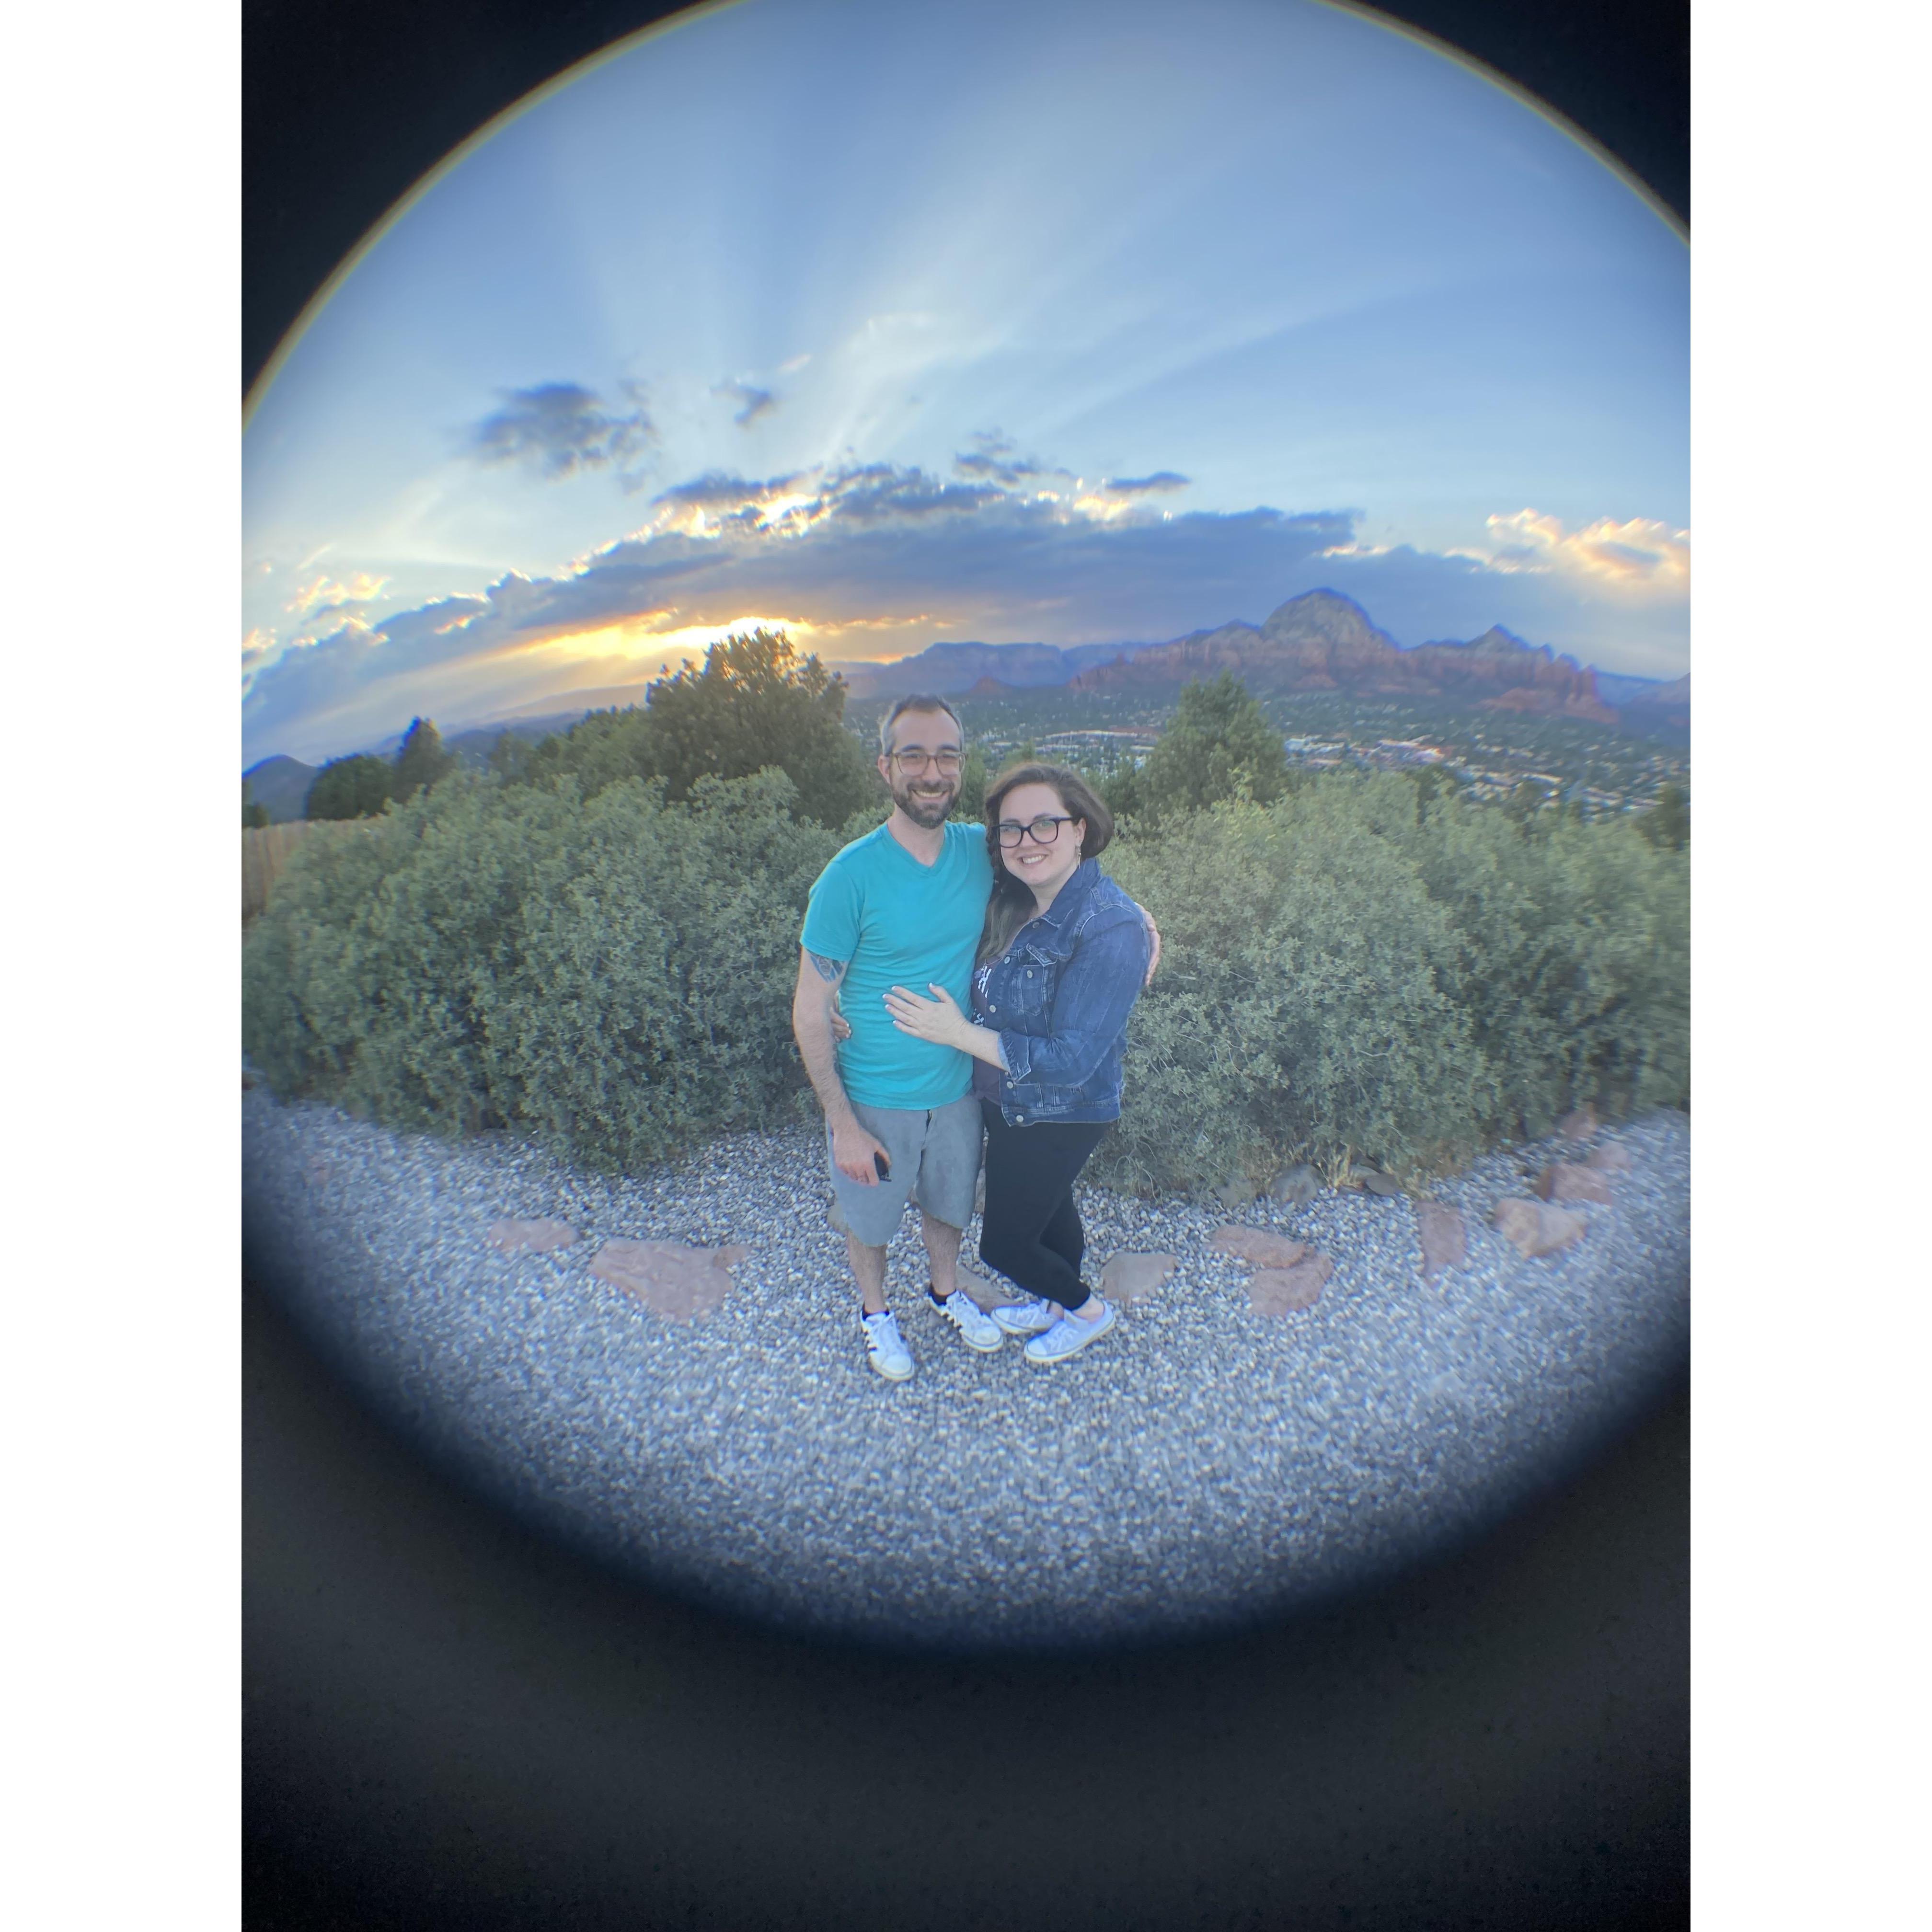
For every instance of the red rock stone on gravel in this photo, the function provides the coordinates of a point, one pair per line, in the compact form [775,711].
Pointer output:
[1445,1242]
[1538,1228]
[1282,1291]
[1582,1125]
[532,1237]
[680,1283]
[1260,1246]
[1611,1158]
[1131,1280]
[1373,1181]
[1565,1181]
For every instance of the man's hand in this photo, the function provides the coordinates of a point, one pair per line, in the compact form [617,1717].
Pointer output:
[1154,958]
[855,1154]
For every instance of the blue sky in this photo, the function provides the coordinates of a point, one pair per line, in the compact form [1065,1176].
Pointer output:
[1066,322]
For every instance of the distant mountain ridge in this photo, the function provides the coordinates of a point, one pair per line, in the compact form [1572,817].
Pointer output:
[281,785]
[1323,641]
[949,670]
[1318,642]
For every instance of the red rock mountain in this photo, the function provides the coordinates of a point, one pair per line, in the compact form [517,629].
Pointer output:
[1324,641]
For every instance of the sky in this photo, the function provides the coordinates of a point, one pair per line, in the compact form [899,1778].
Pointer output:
[1069,322]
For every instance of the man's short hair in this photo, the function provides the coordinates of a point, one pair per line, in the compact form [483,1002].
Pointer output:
[920,700]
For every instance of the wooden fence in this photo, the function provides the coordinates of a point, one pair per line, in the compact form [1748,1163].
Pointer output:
[265,851]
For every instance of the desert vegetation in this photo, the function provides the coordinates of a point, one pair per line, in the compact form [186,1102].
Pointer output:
[594,942]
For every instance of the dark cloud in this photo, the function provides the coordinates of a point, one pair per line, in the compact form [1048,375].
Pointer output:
[879,492]
[879,543]
[994,460]
[756,402]
[1161,481]
[561,430]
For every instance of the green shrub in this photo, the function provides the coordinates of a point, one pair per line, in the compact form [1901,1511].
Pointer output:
[1353,969]
[1577,982]
[613,975]
[1357,969]
[1307,1001]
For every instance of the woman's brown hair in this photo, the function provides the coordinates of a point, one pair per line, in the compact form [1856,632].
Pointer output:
[1012,902]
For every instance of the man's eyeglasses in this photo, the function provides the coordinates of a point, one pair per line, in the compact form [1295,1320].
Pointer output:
[1044,830]
[913,763]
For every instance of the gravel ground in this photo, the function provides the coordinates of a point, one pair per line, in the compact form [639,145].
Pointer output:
[1198,1468]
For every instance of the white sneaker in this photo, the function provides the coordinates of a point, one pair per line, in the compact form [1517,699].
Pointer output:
[1069,1335]
[977,1329]
[885,1347]
[1027,1317]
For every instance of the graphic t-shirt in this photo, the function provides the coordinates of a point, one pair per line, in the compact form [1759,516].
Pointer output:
[900,923]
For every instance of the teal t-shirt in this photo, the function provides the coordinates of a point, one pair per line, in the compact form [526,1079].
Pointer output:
[899,923]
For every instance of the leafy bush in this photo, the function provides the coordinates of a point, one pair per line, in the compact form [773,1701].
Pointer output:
[1357,969]
[613,975]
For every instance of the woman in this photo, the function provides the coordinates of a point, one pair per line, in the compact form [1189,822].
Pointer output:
[1062,959]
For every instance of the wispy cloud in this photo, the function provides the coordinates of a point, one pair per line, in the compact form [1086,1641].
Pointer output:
[561,429]
[321,596]
[995,459]
[1161,481]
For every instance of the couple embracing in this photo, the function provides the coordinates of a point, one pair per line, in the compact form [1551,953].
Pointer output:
[960,986]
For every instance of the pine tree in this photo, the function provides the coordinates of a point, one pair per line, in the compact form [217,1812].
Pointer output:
[421,759]
[1667,823]
[1219,745]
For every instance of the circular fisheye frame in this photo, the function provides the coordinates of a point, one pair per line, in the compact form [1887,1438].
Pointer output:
[1266,428]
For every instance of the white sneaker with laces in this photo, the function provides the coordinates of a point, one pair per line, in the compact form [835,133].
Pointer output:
[976,1329]
[1027,1317]
[1069,1335]
[885,1347]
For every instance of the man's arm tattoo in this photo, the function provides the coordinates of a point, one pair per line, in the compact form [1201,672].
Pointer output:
[830,971]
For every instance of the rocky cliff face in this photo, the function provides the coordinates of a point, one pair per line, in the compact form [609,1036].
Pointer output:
[1324,641]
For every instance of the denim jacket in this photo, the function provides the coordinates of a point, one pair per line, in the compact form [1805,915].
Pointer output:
[1059,998]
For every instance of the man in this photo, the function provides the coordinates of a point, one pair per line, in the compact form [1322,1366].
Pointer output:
[902,906]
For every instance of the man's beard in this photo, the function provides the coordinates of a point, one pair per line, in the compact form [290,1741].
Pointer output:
[929,811]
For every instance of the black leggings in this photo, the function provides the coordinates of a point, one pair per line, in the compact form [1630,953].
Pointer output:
[1031,1230]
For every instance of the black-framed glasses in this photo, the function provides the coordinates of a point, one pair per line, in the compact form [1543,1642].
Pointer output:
[1044,830]
[913,763]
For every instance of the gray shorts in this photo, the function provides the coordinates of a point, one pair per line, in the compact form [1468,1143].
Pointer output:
[934,1156]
